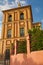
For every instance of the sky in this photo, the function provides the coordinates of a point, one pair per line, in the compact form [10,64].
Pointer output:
[37,9]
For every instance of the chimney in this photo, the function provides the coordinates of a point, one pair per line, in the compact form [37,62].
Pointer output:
[19,5]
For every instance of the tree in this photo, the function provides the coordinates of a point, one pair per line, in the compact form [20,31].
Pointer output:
[21,46]
[36,38]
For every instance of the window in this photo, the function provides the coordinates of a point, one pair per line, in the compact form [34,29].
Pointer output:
[9,33]
[22,32]
[21,16]
[10,18]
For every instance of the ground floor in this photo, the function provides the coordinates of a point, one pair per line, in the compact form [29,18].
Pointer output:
[14,46]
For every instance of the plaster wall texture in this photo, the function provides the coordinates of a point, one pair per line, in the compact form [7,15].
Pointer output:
[33,58]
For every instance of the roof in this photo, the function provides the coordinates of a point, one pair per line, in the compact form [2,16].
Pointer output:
[17,8]
[37,23]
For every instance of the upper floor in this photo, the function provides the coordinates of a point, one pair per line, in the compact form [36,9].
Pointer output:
[17,22]
[17,14]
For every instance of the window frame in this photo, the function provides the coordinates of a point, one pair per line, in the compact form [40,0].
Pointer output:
[22,34]
[22,16]
[10,18]
[9,33]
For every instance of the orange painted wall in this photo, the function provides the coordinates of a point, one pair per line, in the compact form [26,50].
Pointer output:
[33,58]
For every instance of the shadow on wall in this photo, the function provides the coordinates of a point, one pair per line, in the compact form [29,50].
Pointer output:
[26,61]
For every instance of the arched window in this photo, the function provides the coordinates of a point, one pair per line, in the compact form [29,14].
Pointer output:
[21,16]
[10,18]
[9,33]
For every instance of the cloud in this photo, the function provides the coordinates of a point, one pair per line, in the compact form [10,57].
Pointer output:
[37,9]
[6,5]
[23,2]
[16,1]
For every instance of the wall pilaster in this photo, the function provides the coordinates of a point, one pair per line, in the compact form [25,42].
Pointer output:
[15,47]
[5,36]
[12,30]
[26,31]
[28,44]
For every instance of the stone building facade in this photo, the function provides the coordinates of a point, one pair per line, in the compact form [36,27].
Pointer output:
[15,26]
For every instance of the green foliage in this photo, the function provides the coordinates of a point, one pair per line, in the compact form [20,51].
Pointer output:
[36,38]
[21,46]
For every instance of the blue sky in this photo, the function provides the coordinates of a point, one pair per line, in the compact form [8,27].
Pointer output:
[37,8]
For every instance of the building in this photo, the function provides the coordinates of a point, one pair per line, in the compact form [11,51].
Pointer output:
[15,26]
